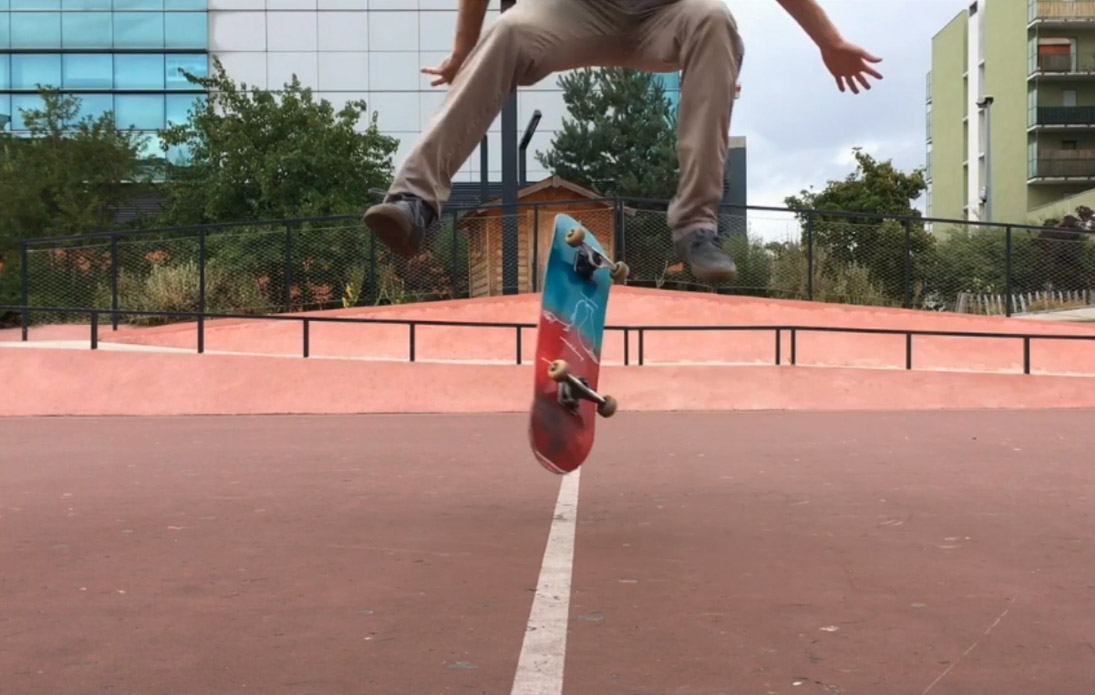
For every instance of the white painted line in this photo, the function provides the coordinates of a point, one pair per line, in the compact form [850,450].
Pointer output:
[543,654]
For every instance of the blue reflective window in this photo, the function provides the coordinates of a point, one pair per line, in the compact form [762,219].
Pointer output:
[183,4]
[5,74]
[151,146]
[94,105]
[28,70]
[138,71]
[5,30]
[86,71]
[86,30]
[19,102]
[35,4]
[138,4]
[86,4]
[5,107]
[138,29]
[194,64]
[140,111]
[187,30]
[179,106]
[35,29]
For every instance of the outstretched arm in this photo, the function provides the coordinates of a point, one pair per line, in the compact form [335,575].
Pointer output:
[846,61]
[469,24]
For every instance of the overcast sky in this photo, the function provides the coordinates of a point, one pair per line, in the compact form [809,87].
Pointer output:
[800,127]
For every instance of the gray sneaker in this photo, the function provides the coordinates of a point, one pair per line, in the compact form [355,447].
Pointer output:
[400,222]
[701,250]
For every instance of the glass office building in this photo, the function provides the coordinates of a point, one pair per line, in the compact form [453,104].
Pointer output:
[671,83]
[119,55]
[126,54]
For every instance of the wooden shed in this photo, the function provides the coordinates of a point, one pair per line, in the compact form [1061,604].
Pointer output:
[538,204]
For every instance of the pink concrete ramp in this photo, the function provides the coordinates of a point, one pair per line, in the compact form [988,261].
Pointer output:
[255,366]
[635,307]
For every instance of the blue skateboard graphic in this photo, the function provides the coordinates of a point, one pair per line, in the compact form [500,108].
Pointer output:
[565,403]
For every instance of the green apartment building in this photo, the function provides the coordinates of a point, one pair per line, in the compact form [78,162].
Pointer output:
[1011,111]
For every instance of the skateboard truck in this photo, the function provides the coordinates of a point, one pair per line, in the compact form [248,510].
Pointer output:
[588,259]
[574,389]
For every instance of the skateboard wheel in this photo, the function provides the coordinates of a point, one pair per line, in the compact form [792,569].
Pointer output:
[576,236]
[558,370]
[619,275]
[608,408]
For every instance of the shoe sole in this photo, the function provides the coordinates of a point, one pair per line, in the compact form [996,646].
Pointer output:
[392,228]
[715,275]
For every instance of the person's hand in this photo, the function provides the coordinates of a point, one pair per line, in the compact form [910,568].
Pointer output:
[848,63]
[446,72]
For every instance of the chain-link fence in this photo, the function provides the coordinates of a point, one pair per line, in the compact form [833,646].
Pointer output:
[305,265]
[1011,270]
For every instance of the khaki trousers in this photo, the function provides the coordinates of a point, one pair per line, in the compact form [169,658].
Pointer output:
[536,38]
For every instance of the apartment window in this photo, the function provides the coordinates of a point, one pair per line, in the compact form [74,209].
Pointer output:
[31,69]
[187,30]
[139,71]
[86,5]
[86,71]
[19,103]
[177,107]
[1055,55]
[138,30]
[1068,97]
[86,30]
[1068,144]
[195,64]
[95,105]
[140,111]
[35,29]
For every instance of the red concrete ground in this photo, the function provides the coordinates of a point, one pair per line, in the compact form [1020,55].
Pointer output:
[919,553]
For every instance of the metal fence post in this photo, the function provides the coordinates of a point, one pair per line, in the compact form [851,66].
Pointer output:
[810,255]
[24,292]
[535,247]
[201,291]
[373,291]
[1007,271]
[908,263]
[288,267]
[452,271]
[114,281]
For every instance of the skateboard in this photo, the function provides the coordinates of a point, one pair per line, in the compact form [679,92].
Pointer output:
[565,401]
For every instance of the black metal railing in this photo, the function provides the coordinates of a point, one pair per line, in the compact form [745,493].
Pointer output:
[260,267]
[1064,164]
[1061,10]
[1065,115]
[640,331]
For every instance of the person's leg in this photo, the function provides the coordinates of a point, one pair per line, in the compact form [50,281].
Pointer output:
[700,38]
[527,43]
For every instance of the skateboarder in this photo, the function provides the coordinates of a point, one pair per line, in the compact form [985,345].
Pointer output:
[536,38]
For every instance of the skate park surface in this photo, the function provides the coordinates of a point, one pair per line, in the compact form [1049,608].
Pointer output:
[841,525]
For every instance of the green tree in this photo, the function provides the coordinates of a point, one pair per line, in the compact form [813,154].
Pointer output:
[255,154]
[874,240]
[620,138]
[66,176]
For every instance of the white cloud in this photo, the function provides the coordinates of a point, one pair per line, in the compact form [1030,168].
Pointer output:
[800,128]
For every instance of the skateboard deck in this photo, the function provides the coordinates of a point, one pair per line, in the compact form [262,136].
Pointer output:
[565,402]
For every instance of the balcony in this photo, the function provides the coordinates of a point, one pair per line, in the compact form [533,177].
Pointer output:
[1057,165]
[1063,118]
[1063,67]
[1061,12]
